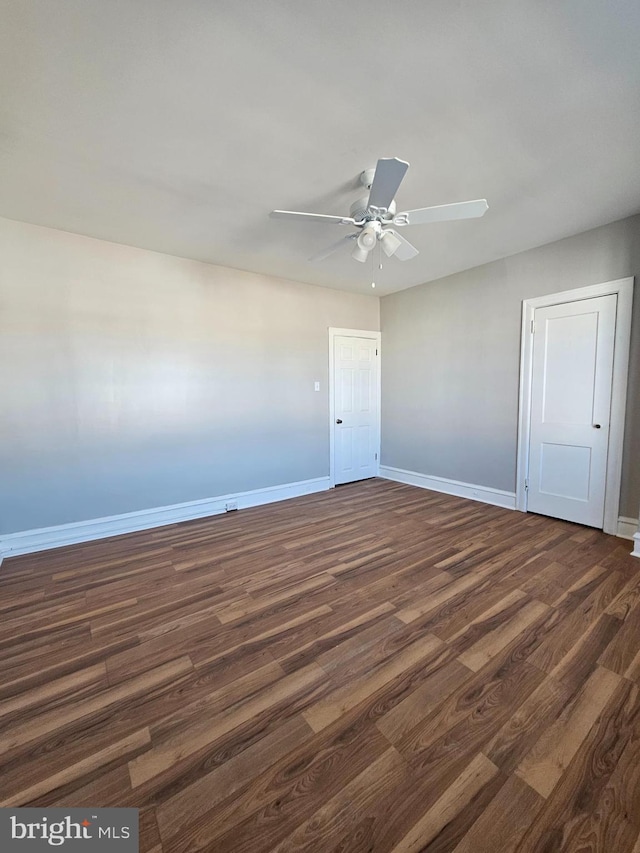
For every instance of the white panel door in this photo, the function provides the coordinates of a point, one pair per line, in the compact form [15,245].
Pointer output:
[570,407]
[356,409]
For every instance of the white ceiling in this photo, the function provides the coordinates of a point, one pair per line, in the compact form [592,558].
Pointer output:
[178,126]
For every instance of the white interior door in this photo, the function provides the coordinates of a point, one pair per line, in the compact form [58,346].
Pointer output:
[355,383]
[573,347]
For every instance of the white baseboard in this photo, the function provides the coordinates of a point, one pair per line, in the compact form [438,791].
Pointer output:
[627,527]
[29,541]
[484,494]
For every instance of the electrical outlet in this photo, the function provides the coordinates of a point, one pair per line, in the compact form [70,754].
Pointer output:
[230,506]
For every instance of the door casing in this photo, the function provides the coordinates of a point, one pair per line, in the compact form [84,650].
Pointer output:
[349,333]
[624,289]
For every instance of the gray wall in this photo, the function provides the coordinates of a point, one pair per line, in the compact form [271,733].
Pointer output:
[451,353]
[131,379]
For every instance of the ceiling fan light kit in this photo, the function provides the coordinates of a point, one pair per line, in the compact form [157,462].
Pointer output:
[389,242]
[369,236]
[375,214]
[360,254]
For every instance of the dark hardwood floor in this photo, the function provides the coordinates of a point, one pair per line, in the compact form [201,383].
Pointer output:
[374,668]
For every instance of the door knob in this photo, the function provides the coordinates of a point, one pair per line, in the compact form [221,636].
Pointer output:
[596,426]
[338,420]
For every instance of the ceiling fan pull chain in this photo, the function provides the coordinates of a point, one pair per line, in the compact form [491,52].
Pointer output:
[373,280]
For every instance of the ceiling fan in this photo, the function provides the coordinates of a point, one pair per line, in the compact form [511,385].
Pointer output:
[375,215]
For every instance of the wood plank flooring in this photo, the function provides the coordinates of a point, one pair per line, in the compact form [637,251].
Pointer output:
[376,668]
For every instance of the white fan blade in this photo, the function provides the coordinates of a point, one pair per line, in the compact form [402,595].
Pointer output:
[405,250]
[311,217]
[442,213]
[334,248]
[388,177]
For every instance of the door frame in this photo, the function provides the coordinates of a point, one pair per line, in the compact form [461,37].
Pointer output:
[623,288]
[349,333]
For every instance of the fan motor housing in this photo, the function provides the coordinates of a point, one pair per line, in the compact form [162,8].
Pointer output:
[359,210]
